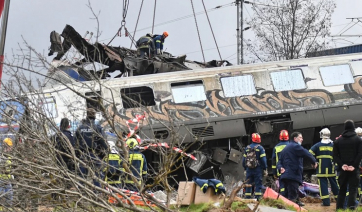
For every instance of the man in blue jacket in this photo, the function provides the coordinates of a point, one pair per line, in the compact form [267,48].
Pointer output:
[254,162]
[283,142]
[290,166]
[159,40]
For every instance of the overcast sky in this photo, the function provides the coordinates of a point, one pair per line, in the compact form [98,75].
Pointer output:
[34,20]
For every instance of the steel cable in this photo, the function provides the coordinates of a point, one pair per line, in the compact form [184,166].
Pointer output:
[198,33]
[135,28]
[154,15]
[212,31]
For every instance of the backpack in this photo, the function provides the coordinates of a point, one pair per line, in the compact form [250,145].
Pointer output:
[251,160]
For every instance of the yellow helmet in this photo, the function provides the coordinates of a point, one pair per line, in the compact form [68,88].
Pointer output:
[132,143]
[8,141]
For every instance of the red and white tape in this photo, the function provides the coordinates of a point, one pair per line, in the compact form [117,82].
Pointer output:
[167,146]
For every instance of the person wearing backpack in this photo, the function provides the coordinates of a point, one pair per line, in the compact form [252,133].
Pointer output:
[254,162]
[283,142]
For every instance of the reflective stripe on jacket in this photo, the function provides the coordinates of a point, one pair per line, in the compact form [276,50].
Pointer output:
[138,166]
[324,154]
[114,169]
[276,155]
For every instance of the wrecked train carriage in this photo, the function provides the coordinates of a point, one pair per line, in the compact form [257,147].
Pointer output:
[221,107]
[118,58]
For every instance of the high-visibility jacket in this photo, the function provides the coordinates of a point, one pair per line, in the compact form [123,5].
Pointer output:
[138,166]
[114,170]
[5,173]
[324,154]
[205,183]
[276,155]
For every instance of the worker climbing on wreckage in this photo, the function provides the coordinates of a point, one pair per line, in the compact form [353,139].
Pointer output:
[146,46]
[254,162]
[283,142]
[159,40]
[323,151]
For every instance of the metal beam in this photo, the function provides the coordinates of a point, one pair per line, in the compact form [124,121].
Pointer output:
[239,31]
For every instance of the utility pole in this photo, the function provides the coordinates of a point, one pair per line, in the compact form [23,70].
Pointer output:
[239,31]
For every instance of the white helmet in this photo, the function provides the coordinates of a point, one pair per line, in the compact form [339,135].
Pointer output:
[325,133]
[358,130]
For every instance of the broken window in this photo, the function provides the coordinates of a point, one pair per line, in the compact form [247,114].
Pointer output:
[288,80]
[49,107]
[238,86]
[191,91]
[336,75]
[137,97]
[94,100]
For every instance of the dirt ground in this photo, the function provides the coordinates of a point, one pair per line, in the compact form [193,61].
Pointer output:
[316,207]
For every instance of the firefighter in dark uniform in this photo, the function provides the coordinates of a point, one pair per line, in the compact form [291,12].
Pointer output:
[146,45]
[323,151]
[138,165]
[283,142]
[255,165]
[114,169]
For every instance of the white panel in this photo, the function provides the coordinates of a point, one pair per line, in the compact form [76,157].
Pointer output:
[336,75]
[49,107]
[238,86]
[188,93]
[288,80]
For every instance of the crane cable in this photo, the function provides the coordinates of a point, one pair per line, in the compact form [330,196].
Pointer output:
[123,23]
[198,33]
[154,15]
[138,18]
[212,31]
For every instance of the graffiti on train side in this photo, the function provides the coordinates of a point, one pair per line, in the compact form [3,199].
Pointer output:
[355,89]
[218,106]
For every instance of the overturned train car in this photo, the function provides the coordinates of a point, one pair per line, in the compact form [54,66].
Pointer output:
[219,108]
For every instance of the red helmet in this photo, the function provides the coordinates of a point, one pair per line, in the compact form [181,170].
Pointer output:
[284,135]
[255,137]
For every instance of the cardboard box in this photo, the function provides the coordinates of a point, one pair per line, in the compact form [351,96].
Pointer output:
[186,193]
[209,196]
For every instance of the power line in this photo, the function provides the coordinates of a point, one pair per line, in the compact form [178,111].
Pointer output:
[210,49]
[212,31]
[184,17]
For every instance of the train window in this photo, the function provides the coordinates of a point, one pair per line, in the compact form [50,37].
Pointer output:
[336,75]
[137,97]
[192,91]
[288,80]
[238,86]
[94,100]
